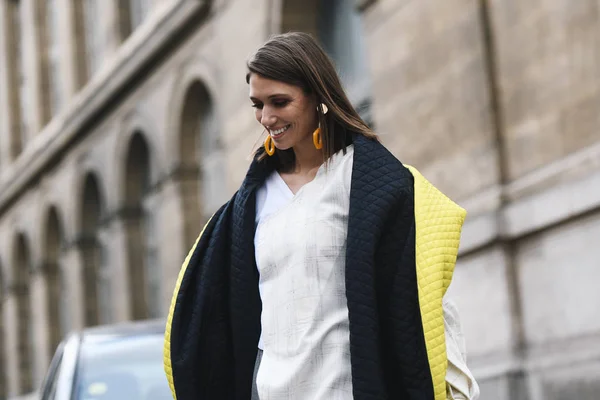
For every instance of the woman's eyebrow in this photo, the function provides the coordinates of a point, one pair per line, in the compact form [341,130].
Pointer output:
[271,96]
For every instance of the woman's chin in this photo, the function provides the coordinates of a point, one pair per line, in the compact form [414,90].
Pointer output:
[282,144]
[283,148]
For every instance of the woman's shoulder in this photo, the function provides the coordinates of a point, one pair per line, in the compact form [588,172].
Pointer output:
[376,159]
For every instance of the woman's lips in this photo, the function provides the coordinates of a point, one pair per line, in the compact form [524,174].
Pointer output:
[278,133]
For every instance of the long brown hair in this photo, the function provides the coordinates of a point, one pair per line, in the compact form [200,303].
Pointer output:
[297,59]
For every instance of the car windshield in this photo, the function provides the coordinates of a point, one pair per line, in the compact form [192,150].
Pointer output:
[122,368]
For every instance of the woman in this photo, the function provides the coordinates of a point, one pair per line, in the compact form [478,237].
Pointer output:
[323,277]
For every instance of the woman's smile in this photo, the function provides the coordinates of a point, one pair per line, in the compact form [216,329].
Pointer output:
[278,133]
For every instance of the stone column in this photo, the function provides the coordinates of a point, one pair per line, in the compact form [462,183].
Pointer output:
[72,269]
[134,267]
[10,120]
[170,222]
[5,87]
[89,254]
[72,40]
[3,361]
[10,345]
[183,188]
[67,84]
[213,191]
[153,282]
[110,29]
[65,37]
[54,306]
[24,334]
[114,238]
[37,104]
[39,325]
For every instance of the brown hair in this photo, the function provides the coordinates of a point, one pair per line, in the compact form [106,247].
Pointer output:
[297,59]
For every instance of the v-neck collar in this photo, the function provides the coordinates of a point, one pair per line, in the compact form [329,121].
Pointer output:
[284,186]
[288,190]
[334,160]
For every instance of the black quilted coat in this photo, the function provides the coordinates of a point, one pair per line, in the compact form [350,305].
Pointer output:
[214,326]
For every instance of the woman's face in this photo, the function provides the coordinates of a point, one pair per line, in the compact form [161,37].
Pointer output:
[288,114]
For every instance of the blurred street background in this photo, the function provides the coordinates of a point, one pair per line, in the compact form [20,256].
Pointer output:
[124,124]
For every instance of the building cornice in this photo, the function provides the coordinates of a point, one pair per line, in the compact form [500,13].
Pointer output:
[539,206]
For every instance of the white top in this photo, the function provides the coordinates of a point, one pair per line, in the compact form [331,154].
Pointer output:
[300,253]
[300,244]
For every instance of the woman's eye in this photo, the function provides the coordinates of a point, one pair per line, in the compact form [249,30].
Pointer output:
[281,103]
[257,105]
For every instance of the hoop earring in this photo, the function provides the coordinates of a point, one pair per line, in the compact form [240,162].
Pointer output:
[269,145]
[318,139]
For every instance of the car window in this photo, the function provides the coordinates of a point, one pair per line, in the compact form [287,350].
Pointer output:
[51,379]
[122,368]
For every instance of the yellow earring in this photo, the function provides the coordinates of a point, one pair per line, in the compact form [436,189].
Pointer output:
[269,145]
[318,139]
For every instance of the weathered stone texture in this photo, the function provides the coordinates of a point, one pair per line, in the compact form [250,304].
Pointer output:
[557,276]
[432,101]
[548,61]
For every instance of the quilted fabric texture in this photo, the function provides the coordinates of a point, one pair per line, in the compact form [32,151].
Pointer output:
[387,346]
[439,222]
[167,343]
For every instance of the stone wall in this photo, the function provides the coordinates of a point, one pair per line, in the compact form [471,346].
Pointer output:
[495,101]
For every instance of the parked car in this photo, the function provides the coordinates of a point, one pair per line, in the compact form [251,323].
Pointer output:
[116,362]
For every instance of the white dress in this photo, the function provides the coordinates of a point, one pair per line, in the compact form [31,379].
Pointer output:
[300,244]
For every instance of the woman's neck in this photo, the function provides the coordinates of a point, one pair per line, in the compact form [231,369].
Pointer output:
[308,158]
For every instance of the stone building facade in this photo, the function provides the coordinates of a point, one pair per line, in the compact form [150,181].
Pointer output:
[125,123]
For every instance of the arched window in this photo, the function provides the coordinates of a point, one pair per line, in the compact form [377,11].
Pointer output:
[144,269]
[21,288]
[56,304]
[202,170]
[96,284]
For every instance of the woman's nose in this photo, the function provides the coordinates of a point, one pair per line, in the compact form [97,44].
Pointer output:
[267,118]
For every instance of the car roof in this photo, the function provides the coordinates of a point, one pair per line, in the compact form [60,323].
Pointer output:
[132,328]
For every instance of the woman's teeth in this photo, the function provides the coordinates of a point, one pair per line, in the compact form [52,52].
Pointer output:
[279,131]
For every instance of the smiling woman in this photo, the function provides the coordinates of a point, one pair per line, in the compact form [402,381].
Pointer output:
[291,79]
[313,281]
[287,113]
